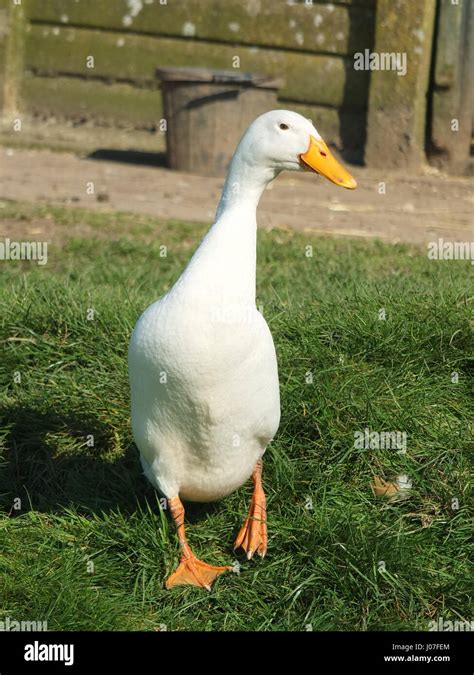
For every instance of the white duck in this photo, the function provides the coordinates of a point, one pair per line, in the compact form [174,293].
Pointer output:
[202,364]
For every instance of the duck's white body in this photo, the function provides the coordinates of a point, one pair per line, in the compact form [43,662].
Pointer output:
[203,373]
[203,369]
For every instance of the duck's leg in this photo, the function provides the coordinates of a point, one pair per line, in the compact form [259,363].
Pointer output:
[253,535]
[191,571]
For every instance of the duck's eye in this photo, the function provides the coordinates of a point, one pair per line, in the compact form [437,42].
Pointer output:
[283,126]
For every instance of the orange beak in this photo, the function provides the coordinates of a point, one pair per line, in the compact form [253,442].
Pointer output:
[320,159]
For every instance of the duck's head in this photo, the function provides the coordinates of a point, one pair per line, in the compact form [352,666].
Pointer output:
[282,139]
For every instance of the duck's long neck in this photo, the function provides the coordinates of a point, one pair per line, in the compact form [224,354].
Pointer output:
[243,188]
[223,269]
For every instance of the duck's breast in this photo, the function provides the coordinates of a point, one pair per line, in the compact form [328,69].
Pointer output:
[205,396]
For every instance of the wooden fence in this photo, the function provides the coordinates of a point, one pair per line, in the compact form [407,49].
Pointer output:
[95,60]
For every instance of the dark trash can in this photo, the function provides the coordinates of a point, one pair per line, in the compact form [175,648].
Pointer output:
[207,111]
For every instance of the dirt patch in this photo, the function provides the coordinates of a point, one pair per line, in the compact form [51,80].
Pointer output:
[391,206]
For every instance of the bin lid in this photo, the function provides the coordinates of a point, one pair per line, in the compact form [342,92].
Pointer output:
[185,74]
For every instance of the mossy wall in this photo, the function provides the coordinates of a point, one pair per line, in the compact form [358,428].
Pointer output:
[12,34]
[47,48]
[310,45]
[3,45]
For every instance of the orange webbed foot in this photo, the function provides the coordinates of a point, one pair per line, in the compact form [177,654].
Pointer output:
[191,571]
[194,572]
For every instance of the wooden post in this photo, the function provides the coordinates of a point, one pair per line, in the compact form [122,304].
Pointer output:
[12,65]
[396,122]
[3,46]
[452,100]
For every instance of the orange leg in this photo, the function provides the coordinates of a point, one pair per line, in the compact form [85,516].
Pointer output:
[191,571]
[253,535]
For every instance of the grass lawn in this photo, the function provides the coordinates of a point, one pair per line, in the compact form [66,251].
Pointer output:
[89,549]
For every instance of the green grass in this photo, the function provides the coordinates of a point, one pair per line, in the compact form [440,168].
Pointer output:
[82,504]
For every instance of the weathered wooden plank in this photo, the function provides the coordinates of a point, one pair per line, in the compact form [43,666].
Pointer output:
[397,102]
[123,105]
[3,46]
[448,58]
[452,100]
[12,23]
[83,100]
[309,78]
[354,3]
[315,27]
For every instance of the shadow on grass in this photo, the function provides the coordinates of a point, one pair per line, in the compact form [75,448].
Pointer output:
[48,465]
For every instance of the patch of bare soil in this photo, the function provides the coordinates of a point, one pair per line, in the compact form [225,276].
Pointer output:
[393,207]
